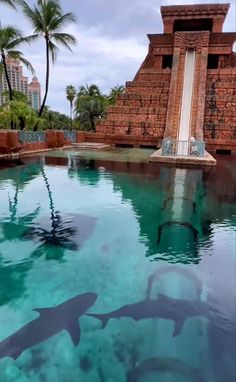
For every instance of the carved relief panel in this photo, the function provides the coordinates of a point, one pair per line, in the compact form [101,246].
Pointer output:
[192,40]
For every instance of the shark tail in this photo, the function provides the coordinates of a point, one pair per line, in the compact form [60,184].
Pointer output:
[102,317]
[178,327]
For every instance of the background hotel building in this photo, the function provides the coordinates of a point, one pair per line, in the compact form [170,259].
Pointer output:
[20,83]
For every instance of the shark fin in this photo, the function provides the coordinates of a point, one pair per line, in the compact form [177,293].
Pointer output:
[178,327]
[102,317]
[15,353]
[43,311]
[74,331]
[162,297]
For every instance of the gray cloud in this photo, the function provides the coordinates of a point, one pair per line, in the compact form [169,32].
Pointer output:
[112,42]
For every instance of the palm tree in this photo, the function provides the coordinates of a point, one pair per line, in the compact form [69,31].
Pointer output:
[8,2]
[48,20]
[70,95]
[89,110]
[115,92]
[90,106]
[10,39]
[89,90]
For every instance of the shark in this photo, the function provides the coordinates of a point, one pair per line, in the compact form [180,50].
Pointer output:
[50,322]
[177,310]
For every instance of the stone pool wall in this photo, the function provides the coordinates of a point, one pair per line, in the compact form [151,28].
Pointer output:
[212,145]
[10,141]
[28,141]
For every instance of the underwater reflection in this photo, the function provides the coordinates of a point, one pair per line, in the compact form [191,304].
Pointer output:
[54,233]
[83,169]
[180,227]
[60,233]
[169,212]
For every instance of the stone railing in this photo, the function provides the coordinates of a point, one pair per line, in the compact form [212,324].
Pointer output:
[31,136]
[194,148]
[40,136]
[13,141]
[70,136]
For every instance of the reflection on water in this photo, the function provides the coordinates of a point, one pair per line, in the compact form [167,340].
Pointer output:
[108,220]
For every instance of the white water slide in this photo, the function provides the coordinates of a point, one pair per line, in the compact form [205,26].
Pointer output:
[185,118]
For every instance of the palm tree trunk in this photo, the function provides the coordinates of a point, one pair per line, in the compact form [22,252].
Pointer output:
[8,82]
[92,123]
[47,77]
[71,119]
[7,77]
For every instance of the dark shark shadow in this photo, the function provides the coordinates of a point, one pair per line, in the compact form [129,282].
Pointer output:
[174,269]
[50,322]
[163,365]
[177,310]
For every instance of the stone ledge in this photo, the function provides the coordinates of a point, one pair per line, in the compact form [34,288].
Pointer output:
[91,145]
[208,159]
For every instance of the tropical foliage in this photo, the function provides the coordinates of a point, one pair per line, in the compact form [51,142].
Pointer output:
[23,117]
[90,106]
[48,21]
[54,120]
[18,114]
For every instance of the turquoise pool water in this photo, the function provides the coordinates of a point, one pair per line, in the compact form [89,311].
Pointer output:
[148,251]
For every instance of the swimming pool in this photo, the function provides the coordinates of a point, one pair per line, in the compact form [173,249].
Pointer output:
[135,263]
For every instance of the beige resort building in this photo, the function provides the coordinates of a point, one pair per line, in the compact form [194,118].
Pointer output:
[20,83]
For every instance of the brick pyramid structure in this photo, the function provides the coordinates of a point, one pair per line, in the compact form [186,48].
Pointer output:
[151,104]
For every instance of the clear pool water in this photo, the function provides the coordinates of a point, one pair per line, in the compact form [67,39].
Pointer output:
[150,248]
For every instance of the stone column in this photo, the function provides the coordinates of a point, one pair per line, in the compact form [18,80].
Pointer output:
[198,131]
[172,93]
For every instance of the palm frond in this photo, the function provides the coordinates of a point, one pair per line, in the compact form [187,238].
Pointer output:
[9,2]
[18,55]
[64,39]
[31,38]
[17,42]
[53,49]
[8,34]
[34,15]
[61,20]
[27,64]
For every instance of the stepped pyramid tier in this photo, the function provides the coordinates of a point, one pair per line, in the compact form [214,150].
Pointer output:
[186,85]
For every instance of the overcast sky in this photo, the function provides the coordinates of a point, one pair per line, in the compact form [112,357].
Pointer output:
[112,42]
